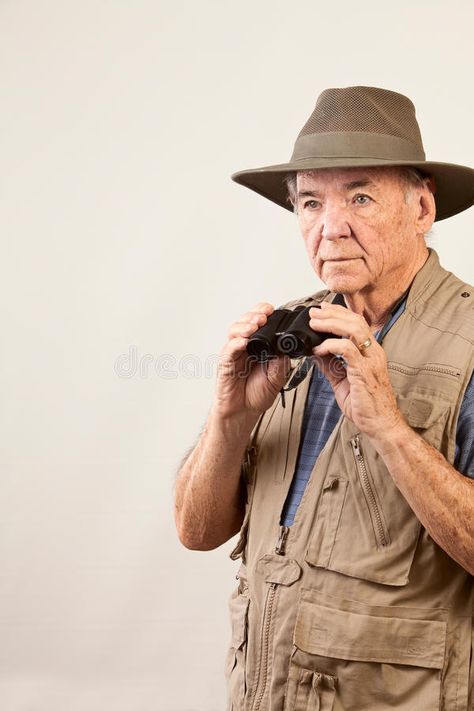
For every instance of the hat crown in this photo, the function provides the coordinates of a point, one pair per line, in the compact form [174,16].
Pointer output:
[364,109]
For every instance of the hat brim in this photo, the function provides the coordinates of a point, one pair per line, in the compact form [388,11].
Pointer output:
[454,183]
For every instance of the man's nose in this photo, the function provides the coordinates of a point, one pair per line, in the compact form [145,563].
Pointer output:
[335,222]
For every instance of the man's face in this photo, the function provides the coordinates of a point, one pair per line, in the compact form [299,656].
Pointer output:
[359,225]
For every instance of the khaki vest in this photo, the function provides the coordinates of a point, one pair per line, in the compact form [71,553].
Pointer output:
[358,609]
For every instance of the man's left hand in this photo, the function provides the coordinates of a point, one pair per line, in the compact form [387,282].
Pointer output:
[362,386]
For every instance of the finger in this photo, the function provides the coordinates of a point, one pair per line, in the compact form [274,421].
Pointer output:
[355,329]
[325,307]
[332,368]
[243,329]
[254,316]
[234,348]
[251,320]
[330,311]
[263,307]
[340,347]
[335,311]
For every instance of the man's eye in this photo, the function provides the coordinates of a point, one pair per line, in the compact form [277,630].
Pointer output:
[311,204]
[362,199]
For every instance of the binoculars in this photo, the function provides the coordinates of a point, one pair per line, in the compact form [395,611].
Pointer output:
[286,332]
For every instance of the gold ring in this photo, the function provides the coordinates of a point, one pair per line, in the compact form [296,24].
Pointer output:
[363,346]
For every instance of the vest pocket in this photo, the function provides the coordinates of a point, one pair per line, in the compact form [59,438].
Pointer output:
[309,690]
[363,527]
[378,657]
[236,657]
[328,515]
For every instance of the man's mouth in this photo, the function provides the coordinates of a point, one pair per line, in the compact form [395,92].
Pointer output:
[341,259]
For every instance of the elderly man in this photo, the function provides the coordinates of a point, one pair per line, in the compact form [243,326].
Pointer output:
[353,491]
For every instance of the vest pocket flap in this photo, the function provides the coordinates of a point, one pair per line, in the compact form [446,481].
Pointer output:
[370,633]
[277,569]
[420,412]
[238,606]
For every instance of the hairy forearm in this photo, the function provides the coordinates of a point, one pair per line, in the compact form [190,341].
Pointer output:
[441,497]
[209,500]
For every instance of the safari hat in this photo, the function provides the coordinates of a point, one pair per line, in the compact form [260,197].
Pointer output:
[363,126]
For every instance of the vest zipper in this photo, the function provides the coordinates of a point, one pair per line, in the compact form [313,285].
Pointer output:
[407,370]
[281,543]
[380,534]
[263,668]
[266,626]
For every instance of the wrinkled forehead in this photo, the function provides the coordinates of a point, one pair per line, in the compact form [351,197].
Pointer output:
[346,178]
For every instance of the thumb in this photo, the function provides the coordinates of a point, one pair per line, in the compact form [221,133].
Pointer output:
[277,371]
[331,367]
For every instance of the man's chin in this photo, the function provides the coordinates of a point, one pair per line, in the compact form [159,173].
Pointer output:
[342,284]
[341,280]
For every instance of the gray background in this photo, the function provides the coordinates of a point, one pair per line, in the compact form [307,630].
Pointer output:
[126,253]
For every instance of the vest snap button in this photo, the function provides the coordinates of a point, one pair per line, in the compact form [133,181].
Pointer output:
[465,294]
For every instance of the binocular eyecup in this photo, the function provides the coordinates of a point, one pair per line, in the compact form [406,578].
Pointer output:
[286,332]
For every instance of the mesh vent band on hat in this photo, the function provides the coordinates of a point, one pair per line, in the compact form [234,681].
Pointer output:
[364,109]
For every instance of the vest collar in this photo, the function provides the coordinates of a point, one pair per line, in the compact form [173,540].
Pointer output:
[427,279]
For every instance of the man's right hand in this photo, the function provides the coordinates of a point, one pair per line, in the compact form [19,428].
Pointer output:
[245,387]
[210,504]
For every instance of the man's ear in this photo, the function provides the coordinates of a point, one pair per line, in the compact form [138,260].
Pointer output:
[427,205]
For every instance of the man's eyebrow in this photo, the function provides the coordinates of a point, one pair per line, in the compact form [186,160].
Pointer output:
[306,193]
[355,184]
